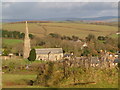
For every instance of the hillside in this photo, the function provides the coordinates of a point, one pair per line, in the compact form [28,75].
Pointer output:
[64,28]
[102,18]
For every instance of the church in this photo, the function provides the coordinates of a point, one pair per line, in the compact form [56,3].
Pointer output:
[52,54]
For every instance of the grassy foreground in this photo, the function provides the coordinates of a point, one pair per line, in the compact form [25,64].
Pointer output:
[20,81]
[14,77]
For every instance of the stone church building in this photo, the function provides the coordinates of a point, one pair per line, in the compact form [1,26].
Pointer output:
[51,54]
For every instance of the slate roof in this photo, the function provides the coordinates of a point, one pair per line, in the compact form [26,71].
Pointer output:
[49,50]
[117,60]
[67,55]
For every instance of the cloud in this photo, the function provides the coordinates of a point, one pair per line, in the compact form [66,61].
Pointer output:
[44,10]
[60,0]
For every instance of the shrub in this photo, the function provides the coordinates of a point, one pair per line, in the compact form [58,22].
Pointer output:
[85,52]
[5,52]
[101,38]
[54,35]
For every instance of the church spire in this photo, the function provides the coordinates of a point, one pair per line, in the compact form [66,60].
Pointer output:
[26,50]
[26,33]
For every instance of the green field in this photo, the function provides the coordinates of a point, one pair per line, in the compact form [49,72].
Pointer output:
[20,81]
[16,78]
[11,41]
[65,28]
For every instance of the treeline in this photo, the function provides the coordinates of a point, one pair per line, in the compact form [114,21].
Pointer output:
[64,37]
[14,34]
[76,38]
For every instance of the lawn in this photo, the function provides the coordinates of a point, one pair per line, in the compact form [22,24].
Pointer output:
[65,28]
[16,80]
[11,41]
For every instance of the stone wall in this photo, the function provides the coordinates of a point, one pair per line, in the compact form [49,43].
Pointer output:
[51,57]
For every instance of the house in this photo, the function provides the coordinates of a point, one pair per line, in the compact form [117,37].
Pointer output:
[116,61]
[67,56]
[117,33]
[51,54]
[84,45]
[94,61]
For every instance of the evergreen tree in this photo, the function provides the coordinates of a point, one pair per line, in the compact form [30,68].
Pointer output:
[32,55]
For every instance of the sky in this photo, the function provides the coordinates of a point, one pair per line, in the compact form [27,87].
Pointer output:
[60,0]
[46,10]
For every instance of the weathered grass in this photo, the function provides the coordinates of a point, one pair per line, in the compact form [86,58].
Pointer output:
[78,29]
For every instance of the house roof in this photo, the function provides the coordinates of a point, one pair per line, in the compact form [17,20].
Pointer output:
[67,55]
[117,60]
[49,50]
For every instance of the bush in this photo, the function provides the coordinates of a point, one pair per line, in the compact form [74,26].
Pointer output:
[75,38]
[101,38]
[5,52]
[85,52]
[54,35]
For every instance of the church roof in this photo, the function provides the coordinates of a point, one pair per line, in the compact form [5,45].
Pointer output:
[49,50]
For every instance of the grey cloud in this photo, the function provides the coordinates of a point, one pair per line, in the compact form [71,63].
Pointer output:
[44,10]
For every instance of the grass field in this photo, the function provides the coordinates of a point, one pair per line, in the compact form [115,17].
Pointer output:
[11,41]
[20,78]
[20,81]
[12,80]
[78,29]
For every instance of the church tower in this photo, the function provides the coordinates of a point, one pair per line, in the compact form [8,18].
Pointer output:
[26,50]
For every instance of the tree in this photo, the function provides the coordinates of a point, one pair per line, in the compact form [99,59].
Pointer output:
[31,36]
[90,37]
[22,35]
[55,35]
[32,55]
[75,38]
[101,38]
[16,50]
[14,34]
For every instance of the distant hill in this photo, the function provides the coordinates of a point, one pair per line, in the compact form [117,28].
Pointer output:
[65,28]
[104,18]
[20,20]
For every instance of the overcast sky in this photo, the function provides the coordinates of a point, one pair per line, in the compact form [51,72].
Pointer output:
[45,10]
